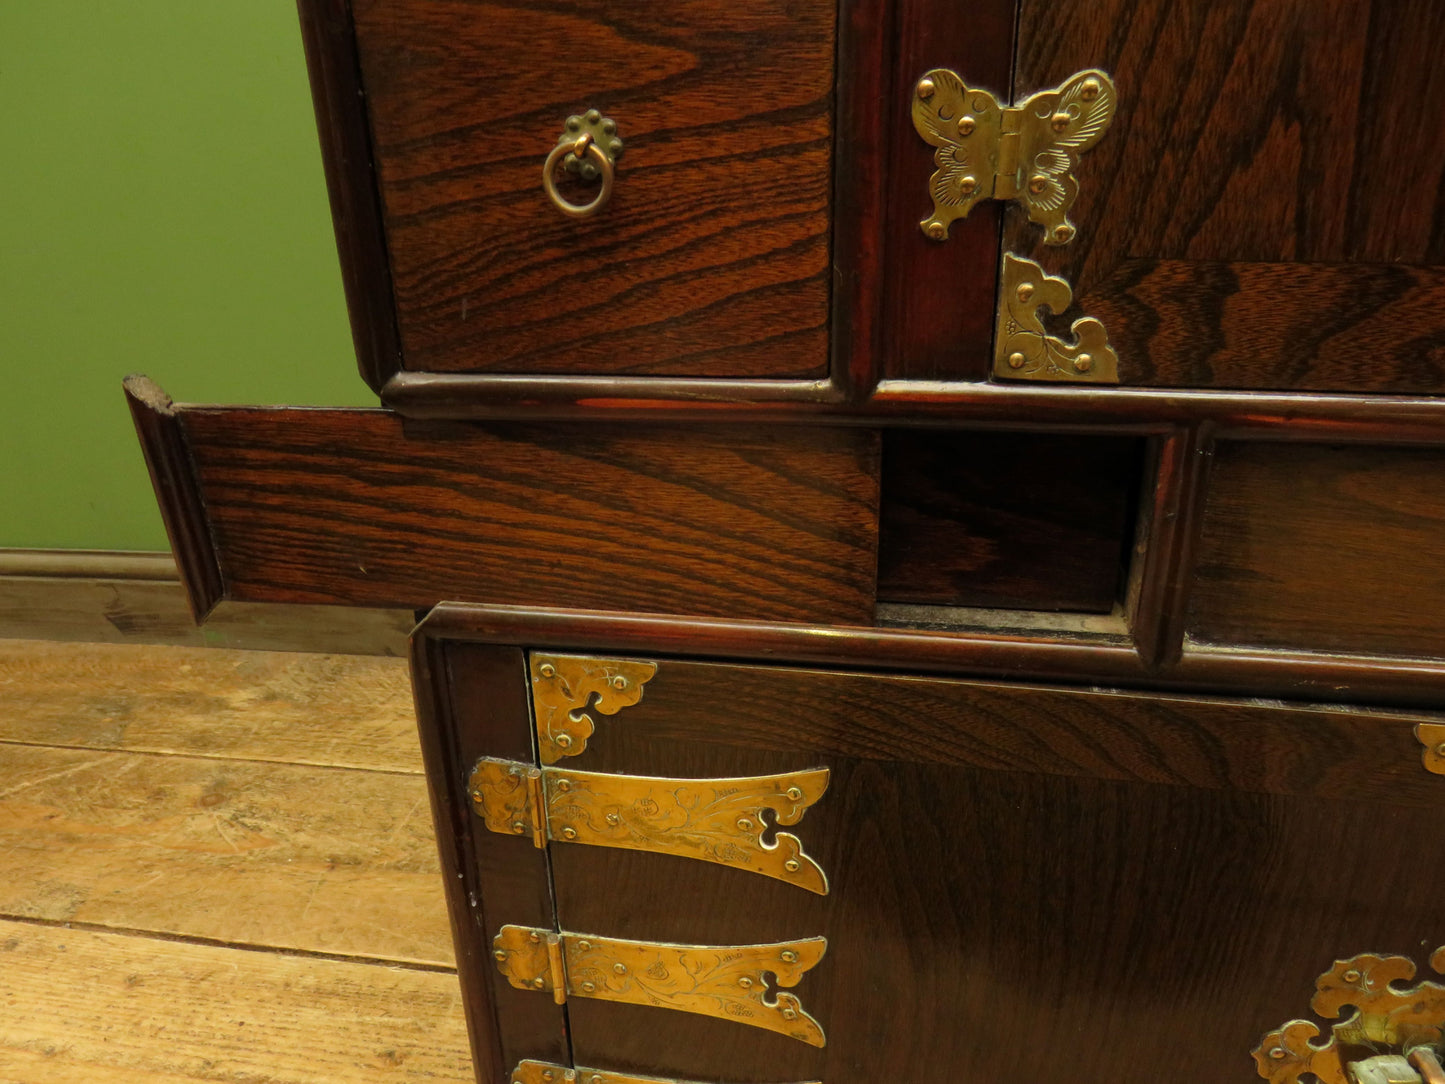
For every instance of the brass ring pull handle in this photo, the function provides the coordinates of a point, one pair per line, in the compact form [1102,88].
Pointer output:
[1382,1032]
[588,147]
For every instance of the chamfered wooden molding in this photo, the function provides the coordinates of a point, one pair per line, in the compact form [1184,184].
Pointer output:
[118,597]
[174,480]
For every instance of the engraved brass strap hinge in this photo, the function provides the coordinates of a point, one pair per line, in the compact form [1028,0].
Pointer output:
[1394,1035]
[730,982]
[1025,153]
[711,820]
[546,1072]
[1025,350]
[567,689]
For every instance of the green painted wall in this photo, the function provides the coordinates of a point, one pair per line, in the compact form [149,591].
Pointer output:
[162,210]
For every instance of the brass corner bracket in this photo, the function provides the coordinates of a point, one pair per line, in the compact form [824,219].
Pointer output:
[1023,348]
[566,689]
[729,982]
[1025,153]
[710,820]
[1393,1029]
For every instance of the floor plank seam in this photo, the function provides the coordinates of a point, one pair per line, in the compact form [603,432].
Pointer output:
[211,942]
[211,756]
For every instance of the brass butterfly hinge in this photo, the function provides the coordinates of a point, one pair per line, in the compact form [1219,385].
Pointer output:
[1432,737]
[1025,153]
[545,1072]
[711,820]
[730,982]
[1024,349]
[567,689]
[1383,1030]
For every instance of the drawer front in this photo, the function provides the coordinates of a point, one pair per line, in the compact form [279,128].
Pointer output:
[1019,878]
[711,256]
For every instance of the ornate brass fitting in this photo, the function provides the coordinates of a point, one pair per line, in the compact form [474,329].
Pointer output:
[1023,348]
[567,689]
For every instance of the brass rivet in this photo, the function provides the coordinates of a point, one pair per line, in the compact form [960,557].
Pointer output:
[574,124]
[1037,183]
[593,116]
[1059,121]
[1084,362]
[1351,976]
[547,1074]
[1025,291]
[564,740]
[745,982]
[745,824]
[1440,749]
[614,818]
[564,785]
[966,125]
[794,794]
[620,969]
[1016,360]
[791,865]
[539,982]
[519,827]
[476,796]
[937,230]
[925,89]
[967,185]
[595,1078]
[589,987]
[584,945]
[789,956]
[1063,232]
[499,955]
[535,938]
[1278,1053]
[619,682]
[789,1014]
[569,833]
[1090,89]
[547,670]
[609,126]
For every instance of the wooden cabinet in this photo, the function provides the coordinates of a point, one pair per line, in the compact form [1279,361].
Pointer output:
[1128,684]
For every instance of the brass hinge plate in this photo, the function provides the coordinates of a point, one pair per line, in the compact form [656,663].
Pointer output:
[1025,153]
[730,982]
[1023,347]
[710,820]
[545,1072]
[567,689]
[1432,737]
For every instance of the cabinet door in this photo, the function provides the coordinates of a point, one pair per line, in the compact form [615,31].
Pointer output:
[1021,880]
[1265,210]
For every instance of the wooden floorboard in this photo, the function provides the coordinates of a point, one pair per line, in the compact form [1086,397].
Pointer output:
[217,865]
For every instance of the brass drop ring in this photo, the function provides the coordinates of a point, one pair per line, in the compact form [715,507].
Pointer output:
[585,146]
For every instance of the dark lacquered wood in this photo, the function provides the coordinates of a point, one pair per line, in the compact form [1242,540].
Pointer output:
[1333,549]
[1264,212]
[174,482]
[341,124]
[472,701]
[1020,856]
[347,507]
[711,258]
[1018,520]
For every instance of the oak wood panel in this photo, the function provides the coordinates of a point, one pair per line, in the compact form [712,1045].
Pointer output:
[1324,548]
[711,258]
[266,854]
[1155,868]
[333,710]
[347,507]
[1253,134]
[1016,520]
[79,1006]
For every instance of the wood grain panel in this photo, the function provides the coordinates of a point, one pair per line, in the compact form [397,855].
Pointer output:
[264,854]
[1060,890]
[347,507]
[1018,520]
[334,710]
[82,1006]
[1265,212]
[1324,548]
[711,258]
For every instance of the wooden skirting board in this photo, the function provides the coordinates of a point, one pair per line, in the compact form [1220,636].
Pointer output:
[118,597]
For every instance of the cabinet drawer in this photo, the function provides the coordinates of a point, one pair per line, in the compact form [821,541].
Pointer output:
[711,257]
[1005,862]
